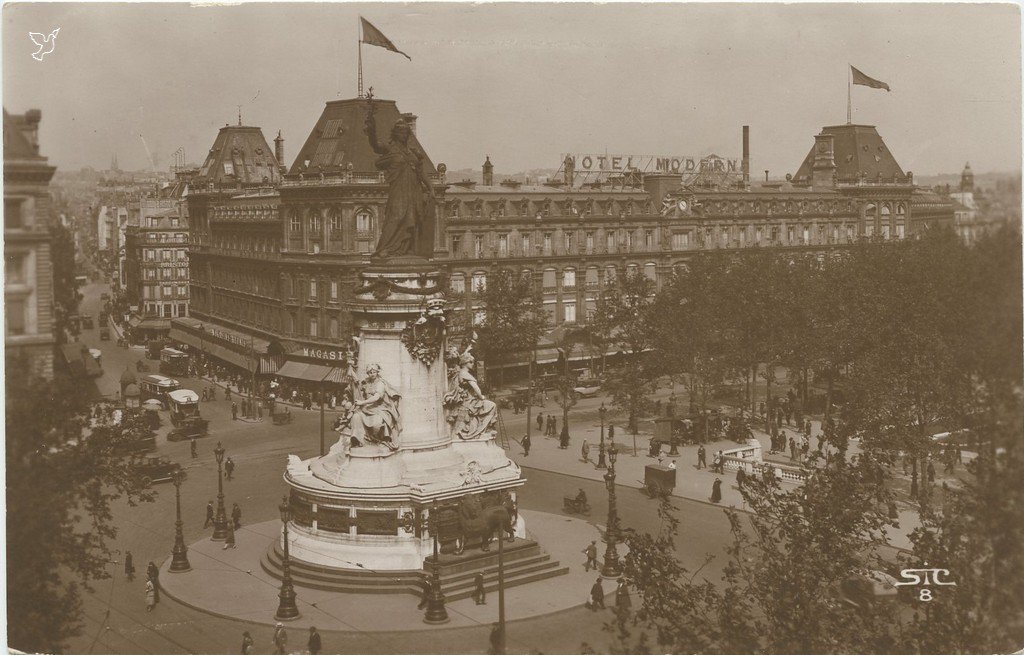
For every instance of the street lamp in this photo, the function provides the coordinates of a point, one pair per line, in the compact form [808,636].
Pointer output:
[436,612]
[286,607]
[600,449]
[220,524]
[611,568]
[179,554]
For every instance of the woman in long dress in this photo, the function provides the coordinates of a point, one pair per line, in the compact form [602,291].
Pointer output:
[150,596]
[407,228]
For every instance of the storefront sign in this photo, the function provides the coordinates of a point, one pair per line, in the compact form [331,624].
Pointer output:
[651,163]
[328,354]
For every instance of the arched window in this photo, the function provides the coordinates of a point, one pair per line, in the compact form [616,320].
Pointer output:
[457,283]
[884,220]
[569,278]
[479,281]
[364,220]
[550,279]
[651,271]
[870,216]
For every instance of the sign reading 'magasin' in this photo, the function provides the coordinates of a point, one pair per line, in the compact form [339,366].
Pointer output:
[591,163]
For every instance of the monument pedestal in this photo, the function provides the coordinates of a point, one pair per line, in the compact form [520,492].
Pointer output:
[420,438]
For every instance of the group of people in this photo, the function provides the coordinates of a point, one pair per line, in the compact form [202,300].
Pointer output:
[280,641]
[152,579]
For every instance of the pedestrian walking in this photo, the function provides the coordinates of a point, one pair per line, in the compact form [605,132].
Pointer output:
[313,645]
[741,477]
[623,603]
[234,410]
[209,514]
[192,448]
[259,410]
[424,592]
[247,643]
[479,593]
[563,439]
[597,596]
[552,425]
[497,640]
[540,421]
[585,451]
[718,463]
[236,515]
[716,491]
[153,575]
[229,468]
[931,471]
[792,448]
[591,553]
[805,449]
[280,639]
[150,596]
[526,445]
[229,541]
[129,566]
[702,458]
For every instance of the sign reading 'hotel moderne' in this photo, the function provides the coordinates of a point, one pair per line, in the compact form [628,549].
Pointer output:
[605,163]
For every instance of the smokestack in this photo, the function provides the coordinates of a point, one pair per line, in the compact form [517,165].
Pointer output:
[279,149]
[766,175]
[488,172]
[746,157]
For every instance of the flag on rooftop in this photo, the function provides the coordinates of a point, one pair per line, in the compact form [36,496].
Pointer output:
[373,36]
[863,80]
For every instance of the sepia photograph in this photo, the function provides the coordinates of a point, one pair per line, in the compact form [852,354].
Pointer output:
[513,328]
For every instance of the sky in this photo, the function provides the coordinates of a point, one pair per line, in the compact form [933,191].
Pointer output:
[525,83]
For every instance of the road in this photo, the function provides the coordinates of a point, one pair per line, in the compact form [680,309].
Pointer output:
[116,620]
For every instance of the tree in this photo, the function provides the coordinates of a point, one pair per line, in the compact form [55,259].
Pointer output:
[779,591]
[513,317]
[976,534]
[623,314]
[64,472]
[65,287]
[685,323]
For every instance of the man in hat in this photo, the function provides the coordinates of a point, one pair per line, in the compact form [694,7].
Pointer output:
[280,639]
[313,645]
[591,553]
[597,596]
[209,514]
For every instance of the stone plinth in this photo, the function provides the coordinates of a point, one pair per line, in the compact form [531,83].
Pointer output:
[366,504]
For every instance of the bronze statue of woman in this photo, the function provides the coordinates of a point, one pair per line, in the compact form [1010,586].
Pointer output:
[407,228]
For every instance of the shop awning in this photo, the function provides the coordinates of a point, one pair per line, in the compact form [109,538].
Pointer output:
[154,324]
[312,372]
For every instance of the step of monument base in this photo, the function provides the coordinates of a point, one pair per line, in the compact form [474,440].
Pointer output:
[525,562]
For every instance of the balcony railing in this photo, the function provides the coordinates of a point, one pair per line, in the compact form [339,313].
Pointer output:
[341,178]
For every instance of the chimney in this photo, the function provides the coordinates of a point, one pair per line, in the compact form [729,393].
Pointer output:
[824,166]
[766,175]
[30,128]
[410,120]
[488,172]
[570,170]
[745,166]
[279,149]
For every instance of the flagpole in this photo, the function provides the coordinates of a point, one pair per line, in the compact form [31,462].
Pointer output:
[360,59]
[849,95]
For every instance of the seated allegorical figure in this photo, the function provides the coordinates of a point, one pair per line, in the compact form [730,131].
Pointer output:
[469,412]
[373,416]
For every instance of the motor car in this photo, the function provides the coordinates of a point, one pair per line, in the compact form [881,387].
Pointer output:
[151,470]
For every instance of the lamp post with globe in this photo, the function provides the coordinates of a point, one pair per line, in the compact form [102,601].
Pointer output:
[179,554]
[286,607]
[612,568]
[602,411]
[220,523]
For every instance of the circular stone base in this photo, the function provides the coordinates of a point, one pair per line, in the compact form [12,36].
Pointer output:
[232,584]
